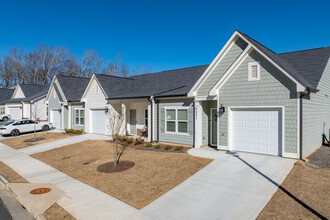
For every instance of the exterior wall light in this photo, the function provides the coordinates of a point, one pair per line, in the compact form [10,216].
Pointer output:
[221,109]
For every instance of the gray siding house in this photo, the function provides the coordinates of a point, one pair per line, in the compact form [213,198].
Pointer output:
[248,98]
[65,109]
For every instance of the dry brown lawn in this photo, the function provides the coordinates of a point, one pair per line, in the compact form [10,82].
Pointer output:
[55,212]
[18,142]
[153,174]
[304,194]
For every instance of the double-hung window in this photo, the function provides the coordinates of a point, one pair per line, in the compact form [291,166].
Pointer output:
[79,116]
[176,120]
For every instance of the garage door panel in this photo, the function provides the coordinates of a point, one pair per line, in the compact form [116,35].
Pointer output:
[15,112]
[261,130]
[98,121]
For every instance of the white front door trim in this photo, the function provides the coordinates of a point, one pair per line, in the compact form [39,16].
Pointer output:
[230,115]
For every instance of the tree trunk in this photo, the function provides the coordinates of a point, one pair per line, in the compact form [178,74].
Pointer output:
[115,154]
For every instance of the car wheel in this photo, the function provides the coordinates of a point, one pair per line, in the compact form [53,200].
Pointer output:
[5,118]
[45,128]
[14,132]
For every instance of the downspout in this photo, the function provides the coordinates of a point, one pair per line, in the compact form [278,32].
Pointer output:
[156,101]
[300,125]
[22,109]
[151,119]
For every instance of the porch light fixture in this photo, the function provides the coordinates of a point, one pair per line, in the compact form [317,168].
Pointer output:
[106,110]
[221,109]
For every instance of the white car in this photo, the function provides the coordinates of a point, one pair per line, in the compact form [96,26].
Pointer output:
[4,117]
[15,128]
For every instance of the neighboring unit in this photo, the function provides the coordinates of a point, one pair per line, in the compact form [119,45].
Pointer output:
[64,105]
[27,101]
[5,94]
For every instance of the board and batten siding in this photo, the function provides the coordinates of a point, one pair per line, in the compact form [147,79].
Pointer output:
[221,68]
[95,99]
[187,139]
[73,123]
[273,89]
[316,114]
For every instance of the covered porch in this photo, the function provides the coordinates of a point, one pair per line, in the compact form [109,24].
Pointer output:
[137,117]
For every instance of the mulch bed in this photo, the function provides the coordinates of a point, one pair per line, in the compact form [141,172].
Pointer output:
[110,168]
[320,158]
[34,139]
[162,149]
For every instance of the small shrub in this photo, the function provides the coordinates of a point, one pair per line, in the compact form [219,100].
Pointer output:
[138,141]
[73,131]
[148,145]
[168,147]
[157,146]
[129,140]
[178,148]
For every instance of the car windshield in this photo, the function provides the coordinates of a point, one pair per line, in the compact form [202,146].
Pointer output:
[9,123]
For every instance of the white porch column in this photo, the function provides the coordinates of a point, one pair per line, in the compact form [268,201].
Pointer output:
[198,124]
[149,121]
[70,115]
[125,119]
[62,117]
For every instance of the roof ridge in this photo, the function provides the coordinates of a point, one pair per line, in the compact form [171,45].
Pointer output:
[297,51]
[82,77]
[121,77]
[30,84]
[171,70]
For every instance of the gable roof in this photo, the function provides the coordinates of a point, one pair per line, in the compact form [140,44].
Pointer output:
[5,94]
[31,92]
[73,87]
[176,82]
[305,66]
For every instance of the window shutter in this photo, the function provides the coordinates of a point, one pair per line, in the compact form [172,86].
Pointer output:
[254,72]
[162,119]
[191,120]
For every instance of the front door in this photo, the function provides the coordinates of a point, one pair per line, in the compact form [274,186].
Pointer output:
[132,121]
[214,129]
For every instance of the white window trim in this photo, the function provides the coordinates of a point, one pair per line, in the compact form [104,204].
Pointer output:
[2,110]
[176,120]
[74,116]
[250,71]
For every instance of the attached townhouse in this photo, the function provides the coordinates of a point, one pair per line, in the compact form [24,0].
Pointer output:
[248,98]
[27,101]
[64,106]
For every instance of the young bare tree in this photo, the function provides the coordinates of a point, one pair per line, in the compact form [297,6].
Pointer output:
[116,115]
[35,113]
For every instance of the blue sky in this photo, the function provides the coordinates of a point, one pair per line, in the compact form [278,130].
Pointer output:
[163,34]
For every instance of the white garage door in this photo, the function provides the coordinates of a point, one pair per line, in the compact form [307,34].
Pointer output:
[257,130]
[55,118]
[15,113]
[97,121]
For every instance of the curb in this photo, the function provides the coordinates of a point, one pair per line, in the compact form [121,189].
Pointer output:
[5,185]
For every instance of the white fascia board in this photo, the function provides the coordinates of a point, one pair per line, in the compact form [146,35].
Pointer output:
[230,71]
[50,89]
[300,88]
[213,64]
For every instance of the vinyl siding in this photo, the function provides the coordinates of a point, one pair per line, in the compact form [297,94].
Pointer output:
[65,117]
[94,100]
[73,125]
[53,102]
[316,114]
[221,68]
[176,138]
[273,89]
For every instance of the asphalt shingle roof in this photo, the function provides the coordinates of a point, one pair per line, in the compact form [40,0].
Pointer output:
[5,94]
[305,66]
[176,82]
[73,87]
[31,92]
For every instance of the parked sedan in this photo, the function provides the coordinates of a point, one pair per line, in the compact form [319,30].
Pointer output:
[15,128]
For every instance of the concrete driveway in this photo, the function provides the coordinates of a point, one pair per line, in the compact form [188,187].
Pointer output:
[233,186]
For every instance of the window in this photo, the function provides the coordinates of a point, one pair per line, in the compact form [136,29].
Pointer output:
[176,120]
[79,116]
[2,110]
[146,117]
[254,71]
